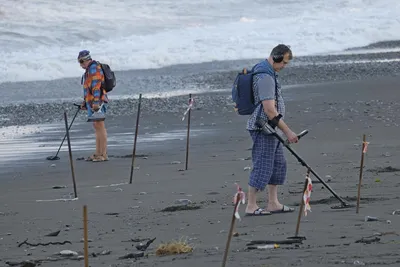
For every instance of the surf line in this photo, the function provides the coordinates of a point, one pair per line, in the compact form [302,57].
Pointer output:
[111,185]
[58,199]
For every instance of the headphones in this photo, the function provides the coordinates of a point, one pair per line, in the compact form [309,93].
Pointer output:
[277,58]
[279,53]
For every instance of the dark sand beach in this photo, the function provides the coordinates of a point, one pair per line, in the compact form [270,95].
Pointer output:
[336,115]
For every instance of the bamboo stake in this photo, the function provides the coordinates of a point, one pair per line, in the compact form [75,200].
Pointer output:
[361,173]
[85,236]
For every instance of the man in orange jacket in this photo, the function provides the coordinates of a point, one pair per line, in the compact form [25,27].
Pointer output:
[95,99]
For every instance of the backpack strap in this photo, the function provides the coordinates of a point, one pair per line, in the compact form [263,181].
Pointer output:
[276,93]
[276,99]
[276,89]
[276,84]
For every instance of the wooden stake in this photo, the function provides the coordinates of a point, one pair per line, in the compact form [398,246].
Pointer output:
[296,235]
[228,242]
[70,153]
[85,236]
[187,136]
[361,173]
[134,142]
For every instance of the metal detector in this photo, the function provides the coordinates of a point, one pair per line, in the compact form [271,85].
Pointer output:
[266,128]
[97,115]
[56,156]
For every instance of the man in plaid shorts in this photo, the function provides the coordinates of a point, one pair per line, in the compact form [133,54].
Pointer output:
[269,163]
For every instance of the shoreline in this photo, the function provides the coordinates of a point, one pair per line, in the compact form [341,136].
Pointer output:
[170,86]
[25,114]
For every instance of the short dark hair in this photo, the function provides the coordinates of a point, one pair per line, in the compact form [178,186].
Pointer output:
[282,49]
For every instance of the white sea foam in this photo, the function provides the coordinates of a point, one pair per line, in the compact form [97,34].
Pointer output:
[40,40]
[165,94]
[42,140]
[7,134]
[359,61]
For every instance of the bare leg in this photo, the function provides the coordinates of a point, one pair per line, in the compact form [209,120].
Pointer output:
[273,202]
[96,128]
[252,201]
[102,136]
[104,140]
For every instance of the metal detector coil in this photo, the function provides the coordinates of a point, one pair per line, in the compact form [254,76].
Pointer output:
[56,157]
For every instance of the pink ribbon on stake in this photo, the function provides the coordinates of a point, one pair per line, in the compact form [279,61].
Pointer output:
[191,101]
[365,147]
[242,200]
[307,195]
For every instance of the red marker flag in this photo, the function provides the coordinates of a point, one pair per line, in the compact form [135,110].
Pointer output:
[365,147]
[307,195]
[191,102]
[242,200]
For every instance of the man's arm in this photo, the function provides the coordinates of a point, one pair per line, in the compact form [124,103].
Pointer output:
[96,77]
[270,110]
[266,91]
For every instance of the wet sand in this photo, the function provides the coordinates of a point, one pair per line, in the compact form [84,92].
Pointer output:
[336,115]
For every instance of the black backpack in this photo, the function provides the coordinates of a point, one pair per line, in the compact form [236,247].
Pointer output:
[109,77]
[242,92]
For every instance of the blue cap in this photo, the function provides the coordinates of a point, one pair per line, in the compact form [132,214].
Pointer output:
[84,55]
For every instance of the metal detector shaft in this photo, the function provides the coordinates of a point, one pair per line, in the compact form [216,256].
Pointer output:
[65,136]
[269,130]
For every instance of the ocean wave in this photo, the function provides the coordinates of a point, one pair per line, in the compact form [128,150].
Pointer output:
[152,34]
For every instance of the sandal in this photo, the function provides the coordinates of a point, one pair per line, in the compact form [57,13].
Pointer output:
[258,212]
[285,209]
[99,159]
[91,158]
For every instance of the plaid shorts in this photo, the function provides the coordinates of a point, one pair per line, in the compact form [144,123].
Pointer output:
[269,163]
